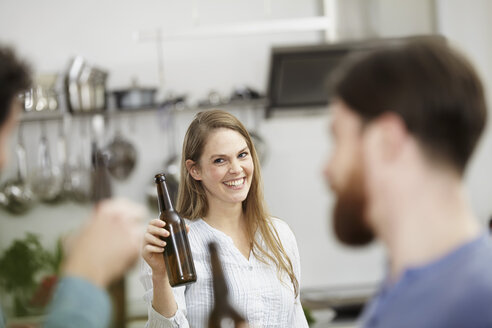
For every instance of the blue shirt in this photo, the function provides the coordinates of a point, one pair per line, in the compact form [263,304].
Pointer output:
[2,319]
[454,291]
[78,303]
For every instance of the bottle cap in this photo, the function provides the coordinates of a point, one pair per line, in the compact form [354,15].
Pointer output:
[160,177]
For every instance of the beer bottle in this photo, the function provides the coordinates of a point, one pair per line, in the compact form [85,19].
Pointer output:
[223,314]
[177,253]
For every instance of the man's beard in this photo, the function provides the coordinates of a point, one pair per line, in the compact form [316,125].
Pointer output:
[349,217]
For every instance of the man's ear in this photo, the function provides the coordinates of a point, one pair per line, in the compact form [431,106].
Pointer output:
[193,170]
[394,133]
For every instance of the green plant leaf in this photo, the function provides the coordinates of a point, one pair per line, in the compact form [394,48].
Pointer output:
[23,260]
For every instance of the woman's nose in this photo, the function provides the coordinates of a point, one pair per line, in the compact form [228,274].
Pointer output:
[235,167]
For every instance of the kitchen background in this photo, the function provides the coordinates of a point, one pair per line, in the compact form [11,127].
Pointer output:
[112,35]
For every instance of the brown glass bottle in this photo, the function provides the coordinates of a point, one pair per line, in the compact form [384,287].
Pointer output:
[177,253]
[223,314]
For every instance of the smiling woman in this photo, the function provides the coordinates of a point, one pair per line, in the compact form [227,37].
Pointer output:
[225,177]
[221,195]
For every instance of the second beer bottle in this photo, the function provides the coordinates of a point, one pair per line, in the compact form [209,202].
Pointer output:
[223,314]
[177,252]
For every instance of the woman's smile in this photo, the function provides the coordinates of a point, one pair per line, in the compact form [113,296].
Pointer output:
[235,184]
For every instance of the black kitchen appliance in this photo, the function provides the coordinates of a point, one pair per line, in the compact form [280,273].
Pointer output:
[298,77]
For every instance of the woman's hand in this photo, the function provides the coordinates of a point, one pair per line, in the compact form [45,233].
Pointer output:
[163,298]
[153,247]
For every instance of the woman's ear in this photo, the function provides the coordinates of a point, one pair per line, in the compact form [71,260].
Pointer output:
[193,170]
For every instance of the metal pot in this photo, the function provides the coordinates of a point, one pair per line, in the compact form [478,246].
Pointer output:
[86,86]
[134,98]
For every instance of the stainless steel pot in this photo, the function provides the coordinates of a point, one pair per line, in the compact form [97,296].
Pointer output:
[86,86]
[134,98]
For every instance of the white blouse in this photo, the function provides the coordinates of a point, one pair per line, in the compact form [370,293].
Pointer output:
[254,287]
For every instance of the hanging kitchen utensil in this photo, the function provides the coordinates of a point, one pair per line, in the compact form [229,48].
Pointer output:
[16,194]
[65,171]
[259,141]
[244,96]
[122,154]
[172,164]
[80,175]
[63,155]
[46,180]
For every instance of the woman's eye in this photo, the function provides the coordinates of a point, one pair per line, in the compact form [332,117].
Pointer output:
[219,161]
[243,154]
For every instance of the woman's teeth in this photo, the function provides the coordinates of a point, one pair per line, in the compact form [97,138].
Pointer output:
[235,183]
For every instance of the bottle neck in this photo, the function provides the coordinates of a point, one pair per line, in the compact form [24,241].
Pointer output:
[163,197]
[222,307]
[219,283]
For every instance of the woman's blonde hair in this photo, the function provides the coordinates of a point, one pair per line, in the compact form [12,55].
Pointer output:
[192,201]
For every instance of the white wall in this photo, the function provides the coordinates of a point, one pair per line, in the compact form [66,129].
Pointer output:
[467,26]
[50,32]
[397,18]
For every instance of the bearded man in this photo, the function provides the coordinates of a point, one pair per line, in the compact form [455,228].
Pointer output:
[405,122]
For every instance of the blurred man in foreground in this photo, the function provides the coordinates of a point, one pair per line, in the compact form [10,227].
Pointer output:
[105,247]
[405,122]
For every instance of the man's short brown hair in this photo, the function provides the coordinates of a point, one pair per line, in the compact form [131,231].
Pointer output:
[14,78]
[435,90]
